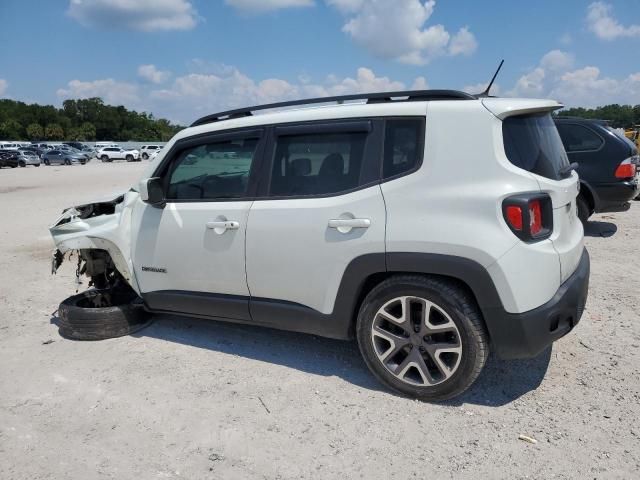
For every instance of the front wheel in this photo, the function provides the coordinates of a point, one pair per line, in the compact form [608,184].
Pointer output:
[46,162]
[67,161]
[422,337]
[145,156]
[129,158]
[104,158]
[22,164]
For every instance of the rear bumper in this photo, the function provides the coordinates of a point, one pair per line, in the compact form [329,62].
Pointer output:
[525,335]
[615,197]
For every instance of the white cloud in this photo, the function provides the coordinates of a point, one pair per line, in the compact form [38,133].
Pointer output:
[463,43]
[600,20]
[555,77]
[197,94]
[3,86]
[557,61]
[261,6]
[396,29]
[143,15]
[151,74]
[111,91]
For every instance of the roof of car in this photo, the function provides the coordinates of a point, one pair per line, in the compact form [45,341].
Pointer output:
[379,97]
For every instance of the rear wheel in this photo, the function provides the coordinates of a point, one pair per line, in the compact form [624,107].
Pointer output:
[104,158]
[67,161]
[422,337]
[584,210]
[22,164]
[46,162]
[145,156]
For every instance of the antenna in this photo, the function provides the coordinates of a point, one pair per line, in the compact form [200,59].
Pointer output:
[486,92]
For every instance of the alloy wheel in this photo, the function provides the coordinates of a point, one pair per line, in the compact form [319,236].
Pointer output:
[416,341]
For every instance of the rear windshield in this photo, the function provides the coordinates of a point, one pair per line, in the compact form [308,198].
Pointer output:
[532,143]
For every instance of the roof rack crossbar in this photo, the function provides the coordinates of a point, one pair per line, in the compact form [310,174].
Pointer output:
[408,96]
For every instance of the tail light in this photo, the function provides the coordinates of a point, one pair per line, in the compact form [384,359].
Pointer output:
[626,169]
[529,216]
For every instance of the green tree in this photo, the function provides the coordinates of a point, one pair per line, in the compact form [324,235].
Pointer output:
[54,132]
[35,131]
[11,130]
[88,131]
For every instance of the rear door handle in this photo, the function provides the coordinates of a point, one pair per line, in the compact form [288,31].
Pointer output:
[223,225]
[345,225]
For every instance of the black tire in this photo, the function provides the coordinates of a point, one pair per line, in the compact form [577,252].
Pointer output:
[46,162]
[129,158]
[22,164]
[104,158]
[145,156]
[461,309]
[37,165]
[67,161]
[80,321]
[584,210]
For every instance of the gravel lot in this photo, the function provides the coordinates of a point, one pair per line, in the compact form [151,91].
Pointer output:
[193,399]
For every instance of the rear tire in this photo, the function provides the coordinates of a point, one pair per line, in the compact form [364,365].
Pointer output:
[21,164]
[442,351]
[67,161]
[104,158]
[584,210]
[145,156]
[80,321]
[46,162]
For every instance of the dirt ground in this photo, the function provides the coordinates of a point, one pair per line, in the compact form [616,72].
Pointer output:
[192,399]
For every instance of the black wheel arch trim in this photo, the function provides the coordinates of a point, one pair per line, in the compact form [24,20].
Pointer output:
[362,272]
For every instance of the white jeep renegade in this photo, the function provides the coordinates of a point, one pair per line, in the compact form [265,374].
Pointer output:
[375,218]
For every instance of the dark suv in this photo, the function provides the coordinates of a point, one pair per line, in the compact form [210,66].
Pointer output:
[9,158]
[607,165]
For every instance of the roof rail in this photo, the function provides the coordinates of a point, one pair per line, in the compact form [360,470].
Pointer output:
[405,96]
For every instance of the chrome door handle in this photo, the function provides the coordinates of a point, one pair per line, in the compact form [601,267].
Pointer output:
[345,225]
[223,225]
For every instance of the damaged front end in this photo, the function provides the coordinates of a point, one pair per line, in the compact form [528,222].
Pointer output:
[100,234]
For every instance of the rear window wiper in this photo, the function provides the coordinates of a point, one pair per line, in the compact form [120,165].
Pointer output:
[566,171]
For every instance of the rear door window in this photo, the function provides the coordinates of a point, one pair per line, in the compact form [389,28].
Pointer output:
[577,138]
[317,163]
[532,143]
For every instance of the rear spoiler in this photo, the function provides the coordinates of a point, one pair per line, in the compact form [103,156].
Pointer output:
[508,107]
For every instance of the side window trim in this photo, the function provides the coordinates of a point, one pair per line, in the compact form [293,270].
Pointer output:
[325,127]
[167,166]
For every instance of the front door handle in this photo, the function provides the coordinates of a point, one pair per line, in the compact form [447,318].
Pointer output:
[222,226]
[345,225]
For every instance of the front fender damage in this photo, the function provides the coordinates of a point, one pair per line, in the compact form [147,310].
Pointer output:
[101,234]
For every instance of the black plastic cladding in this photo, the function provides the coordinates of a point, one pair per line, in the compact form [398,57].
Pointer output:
[402,96]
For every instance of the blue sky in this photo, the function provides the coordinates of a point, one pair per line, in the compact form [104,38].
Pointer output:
[184,58]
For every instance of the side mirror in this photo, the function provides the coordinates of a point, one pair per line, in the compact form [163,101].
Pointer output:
[151,192]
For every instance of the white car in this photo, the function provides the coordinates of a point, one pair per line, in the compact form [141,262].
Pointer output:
[147,151]
[366,220]
[109,154]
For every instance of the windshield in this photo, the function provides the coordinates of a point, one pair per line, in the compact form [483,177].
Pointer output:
[532,143]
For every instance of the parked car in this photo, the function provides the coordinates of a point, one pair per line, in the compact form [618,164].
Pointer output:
[86,155]
[8,158]
[606,165]
[147,150]
[28,157]
[109,154]
[34,149]
[8,146]
[62,157]
[367,220]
